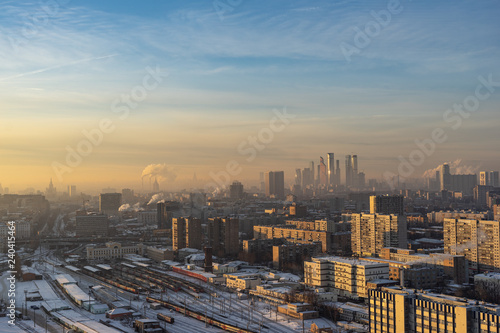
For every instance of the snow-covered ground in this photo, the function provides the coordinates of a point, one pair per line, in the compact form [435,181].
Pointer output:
[256,315]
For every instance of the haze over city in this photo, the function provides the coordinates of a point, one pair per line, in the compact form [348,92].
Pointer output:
[220,73]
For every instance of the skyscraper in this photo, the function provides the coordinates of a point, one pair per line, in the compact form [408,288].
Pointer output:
[330,168]
[354,176]
[298,177]
[275,184]
[312,171]
[322,172]
[337,173]
[445,177]
[348,170]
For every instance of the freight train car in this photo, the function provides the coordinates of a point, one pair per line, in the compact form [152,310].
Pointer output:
[200,316]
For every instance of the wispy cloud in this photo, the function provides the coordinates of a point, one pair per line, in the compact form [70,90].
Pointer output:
[42,70]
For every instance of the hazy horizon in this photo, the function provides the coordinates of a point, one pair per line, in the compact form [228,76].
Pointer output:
[187,86]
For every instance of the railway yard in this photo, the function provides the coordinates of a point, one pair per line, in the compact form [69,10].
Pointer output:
[132,296]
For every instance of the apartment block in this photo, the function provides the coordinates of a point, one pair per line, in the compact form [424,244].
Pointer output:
[372,232]
[287,254]
[387,204]
[394,310]
[477,240]
[294,235]
[186,233]
[223,235]
[345,276]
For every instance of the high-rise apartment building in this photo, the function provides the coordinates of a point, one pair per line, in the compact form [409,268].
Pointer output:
[236,190]
[489,178]
[109,203]
[223,235]
[387,204]
[370,233]
[392,310]
[456,183]
[477,240]
[186,232]
[275,184]
[161,215]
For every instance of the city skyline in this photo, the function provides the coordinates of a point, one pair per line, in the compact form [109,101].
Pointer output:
[215,77]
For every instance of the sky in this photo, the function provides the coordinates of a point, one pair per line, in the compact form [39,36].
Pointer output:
[93,92]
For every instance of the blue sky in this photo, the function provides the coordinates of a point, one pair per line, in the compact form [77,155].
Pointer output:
[64,64]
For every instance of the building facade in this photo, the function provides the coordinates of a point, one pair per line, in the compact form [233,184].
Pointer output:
[477,240]
[91,224]
[372,232]
[294,235]
[109,203]
[387,204]
[345,276]
[186,233]
[275,184]
[394,311]
[223,234]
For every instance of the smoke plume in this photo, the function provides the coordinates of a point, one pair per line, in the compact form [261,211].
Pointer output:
[161,172]
[456,168]
[160,197]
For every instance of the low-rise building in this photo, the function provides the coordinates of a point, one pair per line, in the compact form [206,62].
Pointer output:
[112,250]
[242,281]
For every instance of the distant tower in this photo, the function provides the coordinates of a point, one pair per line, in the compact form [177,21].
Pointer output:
[298,177]
[330,169]
[51,191]
[322,172]
[312,171]
[156,186]
[348,170]
[275,184]
[355,170]
[445,177]
[337,174]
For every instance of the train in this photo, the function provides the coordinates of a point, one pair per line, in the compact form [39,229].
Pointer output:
[199,316]
[118,283]
[166,318]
